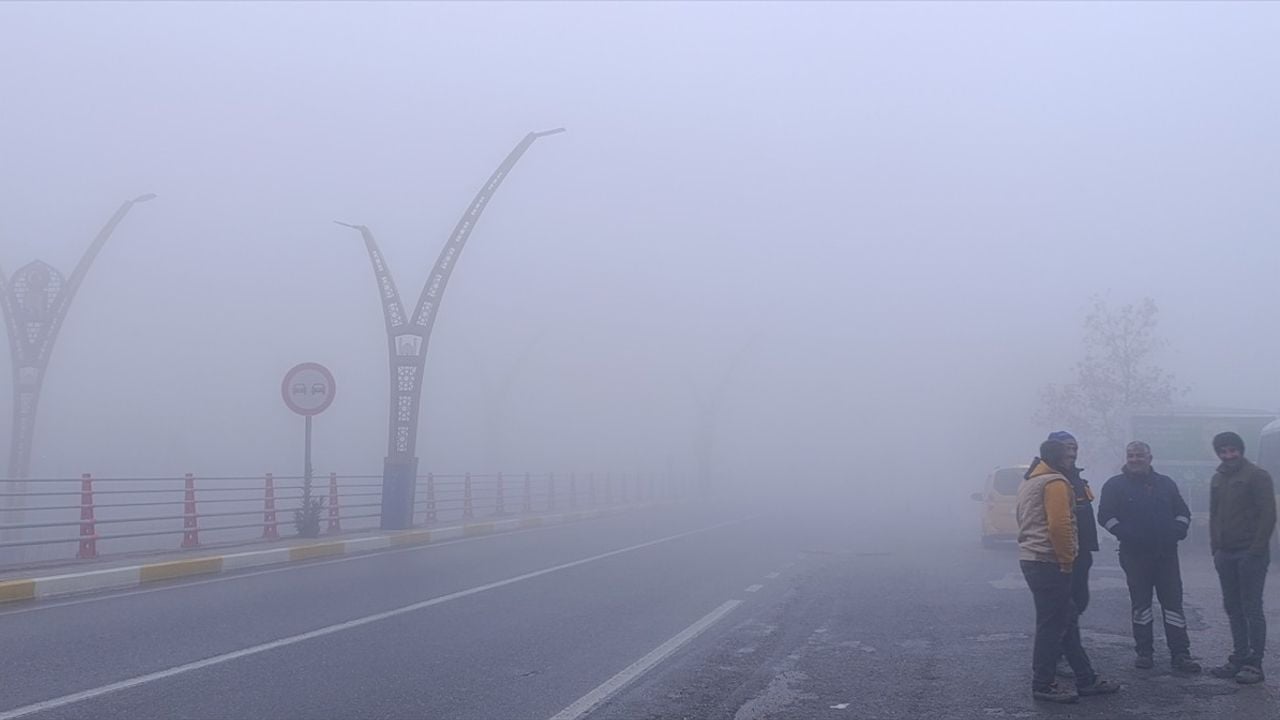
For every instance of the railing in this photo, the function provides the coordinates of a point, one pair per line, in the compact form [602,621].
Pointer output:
[58,518]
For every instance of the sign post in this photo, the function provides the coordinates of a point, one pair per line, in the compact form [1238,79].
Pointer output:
[308,390]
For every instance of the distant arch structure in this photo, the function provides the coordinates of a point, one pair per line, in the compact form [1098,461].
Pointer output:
[408,336]
[35,301]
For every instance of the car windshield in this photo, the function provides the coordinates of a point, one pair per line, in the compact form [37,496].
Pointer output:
[1007,480]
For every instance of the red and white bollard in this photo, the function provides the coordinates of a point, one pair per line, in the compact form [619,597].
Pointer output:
[335,520]
[467,511]
[88,534]
[500,507]
[528,493]
[190,524]
[270,530]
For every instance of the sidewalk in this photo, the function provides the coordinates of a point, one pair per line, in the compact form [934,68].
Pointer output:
[79,576]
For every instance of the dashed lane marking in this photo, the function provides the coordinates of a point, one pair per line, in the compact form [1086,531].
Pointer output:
[754,588]
[608,688]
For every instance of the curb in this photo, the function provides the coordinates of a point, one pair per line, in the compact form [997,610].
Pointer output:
[131,576]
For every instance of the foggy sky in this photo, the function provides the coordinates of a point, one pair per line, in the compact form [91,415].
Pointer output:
[905,208]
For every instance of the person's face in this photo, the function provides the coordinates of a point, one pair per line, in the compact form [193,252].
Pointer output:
[1072,452]
[1137,460]
[1230,455]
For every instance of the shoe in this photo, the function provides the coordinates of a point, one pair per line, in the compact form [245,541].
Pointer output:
[1064,669]
[1055,694]
[1226,671]
[1144,662]
[1098,687]
[1185,664]
[1250,675]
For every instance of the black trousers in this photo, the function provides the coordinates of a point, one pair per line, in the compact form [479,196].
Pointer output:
[1080,581]
[1243,577]
[1057,632]
[1146,570]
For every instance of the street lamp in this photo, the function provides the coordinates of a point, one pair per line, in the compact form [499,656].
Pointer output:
[407,340]
[709,417]
[497,395]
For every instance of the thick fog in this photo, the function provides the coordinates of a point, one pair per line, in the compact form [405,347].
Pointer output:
[881,223]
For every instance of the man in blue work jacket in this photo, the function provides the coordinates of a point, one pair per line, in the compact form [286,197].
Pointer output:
[1146,512]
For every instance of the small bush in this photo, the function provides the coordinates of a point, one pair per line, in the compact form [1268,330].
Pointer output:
[307,518]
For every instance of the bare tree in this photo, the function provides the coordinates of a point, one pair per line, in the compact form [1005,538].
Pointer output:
[1117,375]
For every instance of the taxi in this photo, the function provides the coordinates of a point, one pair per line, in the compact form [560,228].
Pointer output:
[999,505]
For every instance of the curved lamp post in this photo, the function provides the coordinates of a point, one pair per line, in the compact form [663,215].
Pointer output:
[709,417]
[497,396]
[407,340]
[35,302]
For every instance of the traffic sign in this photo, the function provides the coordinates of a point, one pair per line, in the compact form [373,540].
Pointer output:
[308,389]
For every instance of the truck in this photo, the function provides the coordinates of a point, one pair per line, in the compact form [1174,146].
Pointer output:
[1181,441]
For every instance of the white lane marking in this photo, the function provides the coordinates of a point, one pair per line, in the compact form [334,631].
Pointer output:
[106,594]
[331,629]
[840,706]
[772,576]
[591,700]
[754,588]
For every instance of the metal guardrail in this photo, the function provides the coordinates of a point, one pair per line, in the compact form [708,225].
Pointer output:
[130,514]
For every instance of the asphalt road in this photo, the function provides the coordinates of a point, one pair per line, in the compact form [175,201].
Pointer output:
[921,628]
[659,614]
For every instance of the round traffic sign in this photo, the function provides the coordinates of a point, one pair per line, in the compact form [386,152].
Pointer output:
[308,389]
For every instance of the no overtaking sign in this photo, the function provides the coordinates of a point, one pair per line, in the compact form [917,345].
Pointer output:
[308,389]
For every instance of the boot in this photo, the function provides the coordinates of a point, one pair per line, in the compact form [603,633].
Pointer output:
[1098,687]
[1184,663]
[1055,693]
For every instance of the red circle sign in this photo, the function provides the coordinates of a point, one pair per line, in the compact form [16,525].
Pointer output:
[308,389]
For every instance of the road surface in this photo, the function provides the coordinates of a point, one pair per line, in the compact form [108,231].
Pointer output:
[677,613]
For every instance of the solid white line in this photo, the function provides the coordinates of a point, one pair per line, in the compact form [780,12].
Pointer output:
[753,588]
[329,630]
[232,575]
[591,700]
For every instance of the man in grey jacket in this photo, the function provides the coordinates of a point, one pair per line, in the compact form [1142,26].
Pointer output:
[1242,515]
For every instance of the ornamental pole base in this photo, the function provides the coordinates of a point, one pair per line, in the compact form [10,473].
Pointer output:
[399,481]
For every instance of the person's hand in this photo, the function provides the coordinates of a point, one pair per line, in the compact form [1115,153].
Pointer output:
[1065,568]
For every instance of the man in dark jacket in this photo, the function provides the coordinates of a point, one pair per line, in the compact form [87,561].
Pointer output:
[1242,514]
[1086,531]
[1145,511]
